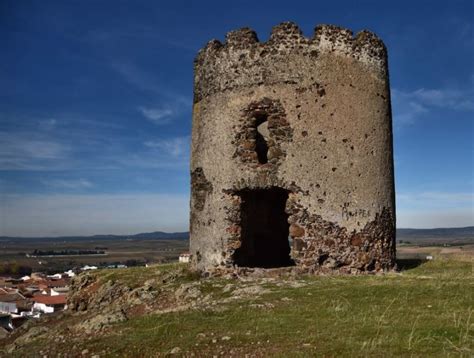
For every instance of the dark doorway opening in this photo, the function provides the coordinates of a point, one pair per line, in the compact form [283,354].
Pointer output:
[264,229]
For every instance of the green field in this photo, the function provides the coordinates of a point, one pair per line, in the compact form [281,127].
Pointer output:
[117,251]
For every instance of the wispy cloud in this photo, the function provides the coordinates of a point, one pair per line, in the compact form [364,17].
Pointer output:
[145,82]
[405,109]
[73,184]
[161,153]
[157,115]
[134,76]
[446,98]
[21,151]
[85,144]
[432,197]
[170,104]
[462,30]
[409,105]
[175,147]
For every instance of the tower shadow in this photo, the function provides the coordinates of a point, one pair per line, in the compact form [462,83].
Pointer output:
[409,263]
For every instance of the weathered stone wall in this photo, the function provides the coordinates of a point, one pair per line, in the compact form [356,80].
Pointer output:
[327,102]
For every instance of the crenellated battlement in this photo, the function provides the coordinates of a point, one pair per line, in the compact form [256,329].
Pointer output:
[238,61]
[241,38]
[286,32]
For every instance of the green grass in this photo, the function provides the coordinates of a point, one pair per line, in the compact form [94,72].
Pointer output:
[135,276]
[425,311]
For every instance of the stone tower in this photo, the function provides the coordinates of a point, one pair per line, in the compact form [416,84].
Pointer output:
[292,161]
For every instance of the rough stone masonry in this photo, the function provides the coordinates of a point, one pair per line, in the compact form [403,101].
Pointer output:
[292,161]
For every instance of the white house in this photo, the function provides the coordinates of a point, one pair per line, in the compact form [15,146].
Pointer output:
[49,304]
[184,257]
[56,276]
[87,268]
[9,302]
[8,307]
[70,273]
[59,291]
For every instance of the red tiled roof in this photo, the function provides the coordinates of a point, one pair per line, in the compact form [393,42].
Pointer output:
[54,283]
[50,300]
[8,291]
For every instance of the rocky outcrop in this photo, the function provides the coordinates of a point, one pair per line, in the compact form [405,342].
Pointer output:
[101,303]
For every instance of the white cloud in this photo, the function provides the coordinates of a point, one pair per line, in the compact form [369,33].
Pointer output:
[75,143]
[150,161]
[43,215]
[435,200]
[29,148]
[23,151]
[446,98]
[405,110]
[136,77]
[157,115]
[407,106]
[176,147]
[144,81]
[69,184]
[175,103]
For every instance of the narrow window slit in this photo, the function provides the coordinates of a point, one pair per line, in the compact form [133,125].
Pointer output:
[261,146]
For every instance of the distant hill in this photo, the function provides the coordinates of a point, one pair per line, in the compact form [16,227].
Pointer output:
[157,235]
[439,232]
[435,235]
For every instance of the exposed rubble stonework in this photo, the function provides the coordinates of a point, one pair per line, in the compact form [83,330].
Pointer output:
[292,161]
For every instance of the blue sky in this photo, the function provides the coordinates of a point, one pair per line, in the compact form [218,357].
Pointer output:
[95,106]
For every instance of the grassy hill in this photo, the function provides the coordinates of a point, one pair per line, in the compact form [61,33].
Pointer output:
[165,309]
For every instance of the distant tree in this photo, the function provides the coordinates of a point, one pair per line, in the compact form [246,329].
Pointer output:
[14,268]
[133,262]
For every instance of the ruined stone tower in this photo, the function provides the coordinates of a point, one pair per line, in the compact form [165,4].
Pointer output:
[292,161]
